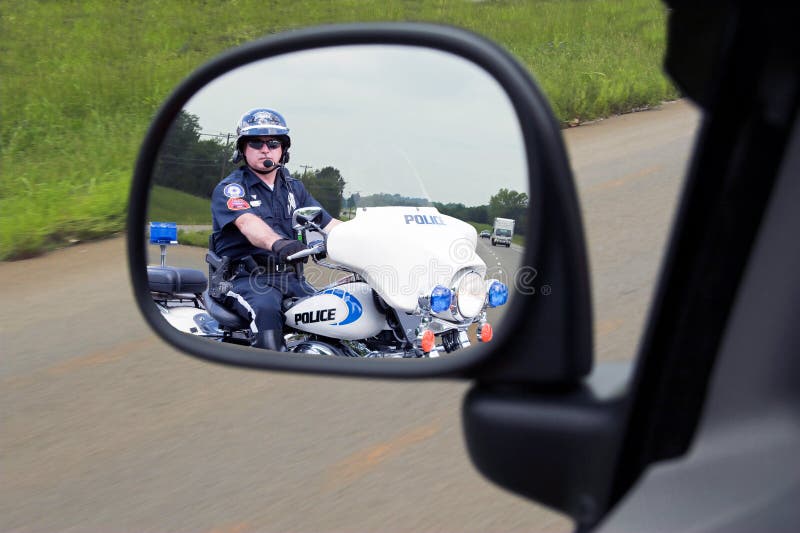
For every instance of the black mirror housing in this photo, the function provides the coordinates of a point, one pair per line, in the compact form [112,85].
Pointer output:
[557,346]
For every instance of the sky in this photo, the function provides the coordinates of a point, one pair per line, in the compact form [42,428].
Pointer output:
[393,119]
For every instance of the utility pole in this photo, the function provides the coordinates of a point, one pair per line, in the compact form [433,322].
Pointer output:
[351,209]
[305,169]
[222,169]
[227,137]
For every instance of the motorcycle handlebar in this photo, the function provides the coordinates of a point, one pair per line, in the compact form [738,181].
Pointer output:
[319,248]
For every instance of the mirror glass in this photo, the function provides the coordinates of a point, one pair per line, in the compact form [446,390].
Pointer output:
[417,152]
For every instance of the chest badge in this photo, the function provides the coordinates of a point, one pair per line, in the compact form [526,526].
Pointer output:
[233,190]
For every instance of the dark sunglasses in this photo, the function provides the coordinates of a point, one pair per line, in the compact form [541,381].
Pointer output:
[257,144]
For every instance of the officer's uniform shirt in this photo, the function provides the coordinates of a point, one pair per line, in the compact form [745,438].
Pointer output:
[244,192]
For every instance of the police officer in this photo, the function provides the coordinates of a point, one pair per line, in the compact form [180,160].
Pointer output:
[252,224]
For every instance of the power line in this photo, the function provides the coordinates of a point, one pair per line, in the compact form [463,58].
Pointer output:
[217,135]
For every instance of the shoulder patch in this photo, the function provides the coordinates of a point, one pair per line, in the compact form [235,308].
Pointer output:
[233,190]
[238,204]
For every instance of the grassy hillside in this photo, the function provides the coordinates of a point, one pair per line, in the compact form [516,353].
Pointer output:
[170,205]
[80,81]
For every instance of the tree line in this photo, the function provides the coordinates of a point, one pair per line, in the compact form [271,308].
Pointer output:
[193,164]
[506,203]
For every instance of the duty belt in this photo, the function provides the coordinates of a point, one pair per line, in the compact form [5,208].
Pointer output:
[247,265]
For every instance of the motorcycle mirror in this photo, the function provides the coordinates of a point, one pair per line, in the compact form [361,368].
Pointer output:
[304,215]
[416,137]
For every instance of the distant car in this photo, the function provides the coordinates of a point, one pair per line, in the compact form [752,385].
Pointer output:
[485,234]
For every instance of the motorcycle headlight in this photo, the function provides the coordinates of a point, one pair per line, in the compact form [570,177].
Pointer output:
[470,294]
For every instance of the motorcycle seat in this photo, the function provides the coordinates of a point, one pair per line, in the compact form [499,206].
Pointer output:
[175,280]
[223,315]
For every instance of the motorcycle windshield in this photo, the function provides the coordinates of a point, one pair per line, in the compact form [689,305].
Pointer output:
[403,252]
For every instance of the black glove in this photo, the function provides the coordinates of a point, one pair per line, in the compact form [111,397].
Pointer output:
[286,247]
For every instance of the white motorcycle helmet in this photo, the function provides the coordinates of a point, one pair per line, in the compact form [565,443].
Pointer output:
[262,121]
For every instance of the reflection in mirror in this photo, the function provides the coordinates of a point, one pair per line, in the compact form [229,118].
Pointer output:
[416,158]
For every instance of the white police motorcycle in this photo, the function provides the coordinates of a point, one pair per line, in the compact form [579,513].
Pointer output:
[414,287]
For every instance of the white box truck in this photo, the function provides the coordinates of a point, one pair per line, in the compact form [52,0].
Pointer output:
[503,231]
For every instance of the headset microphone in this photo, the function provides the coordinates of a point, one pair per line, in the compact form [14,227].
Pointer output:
[269,165]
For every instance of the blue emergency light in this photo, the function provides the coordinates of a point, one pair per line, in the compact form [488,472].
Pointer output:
[163,233]
[498,294]
[441,297]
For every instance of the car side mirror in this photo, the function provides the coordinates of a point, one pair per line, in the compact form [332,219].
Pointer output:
[469,111]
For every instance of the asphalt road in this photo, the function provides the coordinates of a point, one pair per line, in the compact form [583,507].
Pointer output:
[104,428]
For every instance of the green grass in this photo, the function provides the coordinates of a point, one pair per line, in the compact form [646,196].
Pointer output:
[194,238]
[81,80]
[170,205]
